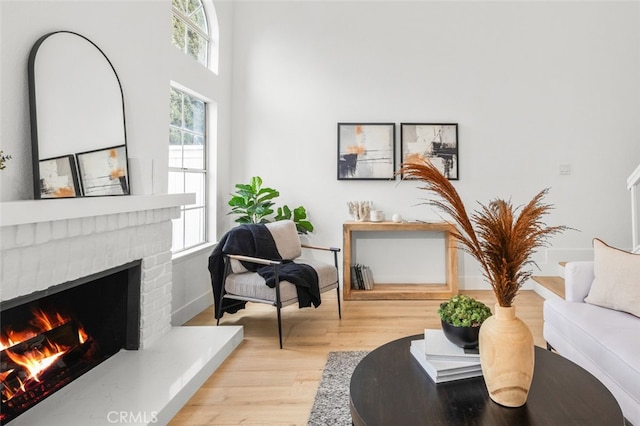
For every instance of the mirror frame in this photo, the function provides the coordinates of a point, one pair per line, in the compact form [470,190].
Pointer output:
[35,157]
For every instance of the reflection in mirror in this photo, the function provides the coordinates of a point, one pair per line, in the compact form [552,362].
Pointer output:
[75,99]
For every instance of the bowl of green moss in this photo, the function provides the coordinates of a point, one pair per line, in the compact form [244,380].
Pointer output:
[461,317]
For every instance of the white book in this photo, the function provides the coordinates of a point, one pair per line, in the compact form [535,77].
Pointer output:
[446,367]
[368,278]
[438,347]
[444,371]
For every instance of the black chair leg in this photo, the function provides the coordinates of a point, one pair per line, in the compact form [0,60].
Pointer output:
[339,308]
[219,310]
[279,325]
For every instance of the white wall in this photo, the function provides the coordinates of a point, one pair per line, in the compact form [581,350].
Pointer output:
[532,85]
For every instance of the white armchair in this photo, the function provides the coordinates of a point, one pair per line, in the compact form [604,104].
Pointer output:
[263,263]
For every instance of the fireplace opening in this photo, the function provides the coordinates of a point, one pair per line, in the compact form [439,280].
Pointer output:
[50,338]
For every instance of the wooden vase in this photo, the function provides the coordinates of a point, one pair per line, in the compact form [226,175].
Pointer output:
[507,357]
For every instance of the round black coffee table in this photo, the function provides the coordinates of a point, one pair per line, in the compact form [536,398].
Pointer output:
[389,387]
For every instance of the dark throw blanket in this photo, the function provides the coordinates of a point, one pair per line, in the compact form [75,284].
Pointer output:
[255,240]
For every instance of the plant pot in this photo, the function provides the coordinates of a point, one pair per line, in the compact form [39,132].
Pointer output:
[507,357]
[464,337]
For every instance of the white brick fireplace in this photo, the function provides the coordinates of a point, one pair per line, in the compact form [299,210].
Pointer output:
[48,242]
[45,243]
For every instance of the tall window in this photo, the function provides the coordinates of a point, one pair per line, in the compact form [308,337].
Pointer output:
[188,166]
[190,30]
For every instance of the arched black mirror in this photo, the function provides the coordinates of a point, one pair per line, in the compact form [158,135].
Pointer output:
[79,143]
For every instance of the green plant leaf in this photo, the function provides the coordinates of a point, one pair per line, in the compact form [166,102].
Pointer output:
[299,213]
[256,183]
[283,213]
[304,226]
[237,201]
[267,196]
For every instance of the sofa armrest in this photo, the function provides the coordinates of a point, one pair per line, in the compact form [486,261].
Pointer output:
[578,277]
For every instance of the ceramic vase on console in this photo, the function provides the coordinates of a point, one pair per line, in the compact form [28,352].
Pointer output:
[507,357]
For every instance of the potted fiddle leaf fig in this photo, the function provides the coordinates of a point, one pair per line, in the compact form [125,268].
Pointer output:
[461,317]
[254,204]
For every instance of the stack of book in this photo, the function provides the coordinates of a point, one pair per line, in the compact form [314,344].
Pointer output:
[361,277]
[442,360]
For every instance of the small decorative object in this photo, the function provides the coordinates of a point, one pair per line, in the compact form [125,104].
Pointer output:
[502,241]
[254,204]
[434,142]
[461,317]
[366,151]
[58,178]
[104,172]
[3,159]
[376,215]
[359,210]
[396,218]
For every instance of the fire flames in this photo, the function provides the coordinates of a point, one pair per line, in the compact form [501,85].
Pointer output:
[27,354]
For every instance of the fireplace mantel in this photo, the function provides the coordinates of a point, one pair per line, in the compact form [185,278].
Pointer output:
[36,211]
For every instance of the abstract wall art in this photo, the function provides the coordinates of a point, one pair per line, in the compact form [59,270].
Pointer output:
[433,142]
[59,177]
[104,172]
[366,151]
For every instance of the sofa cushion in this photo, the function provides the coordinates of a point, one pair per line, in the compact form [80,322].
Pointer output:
[286,237]
[617,279]
[606,337]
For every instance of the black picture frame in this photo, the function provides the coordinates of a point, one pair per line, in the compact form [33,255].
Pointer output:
[104,172]
[366,151]
[434,142]
[58,177]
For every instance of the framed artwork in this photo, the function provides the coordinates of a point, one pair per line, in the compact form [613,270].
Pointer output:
[104,172]
[366,151]
[433,142]
[59,177]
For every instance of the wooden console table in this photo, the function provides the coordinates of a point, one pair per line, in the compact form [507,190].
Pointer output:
[402,290]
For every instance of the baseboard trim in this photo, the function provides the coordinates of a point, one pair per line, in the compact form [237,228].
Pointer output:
[191,309]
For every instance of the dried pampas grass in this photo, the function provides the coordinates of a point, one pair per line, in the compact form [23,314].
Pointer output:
[495,235]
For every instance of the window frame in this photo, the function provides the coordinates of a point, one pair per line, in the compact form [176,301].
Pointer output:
[206,35]
[204,206]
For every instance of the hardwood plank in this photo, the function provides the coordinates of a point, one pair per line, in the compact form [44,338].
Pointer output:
[261,384]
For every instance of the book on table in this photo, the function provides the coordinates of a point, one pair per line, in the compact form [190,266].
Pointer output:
[441,371]
[361,277]
[438,347]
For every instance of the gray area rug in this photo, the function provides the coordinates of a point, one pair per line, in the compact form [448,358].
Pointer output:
[331,406]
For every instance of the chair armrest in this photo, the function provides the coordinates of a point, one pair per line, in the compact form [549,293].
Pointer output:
[578,277]
[334,249]
[253,259]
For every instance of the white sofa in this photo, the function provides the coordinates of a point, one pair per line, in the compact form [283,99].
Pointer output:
[603,341]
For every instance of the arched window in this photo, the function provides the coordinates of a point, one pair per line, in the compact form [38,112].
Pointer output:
[190,29]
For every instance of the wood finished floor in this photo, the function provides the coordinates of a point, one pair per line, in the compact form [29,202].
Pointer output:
[261,384]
